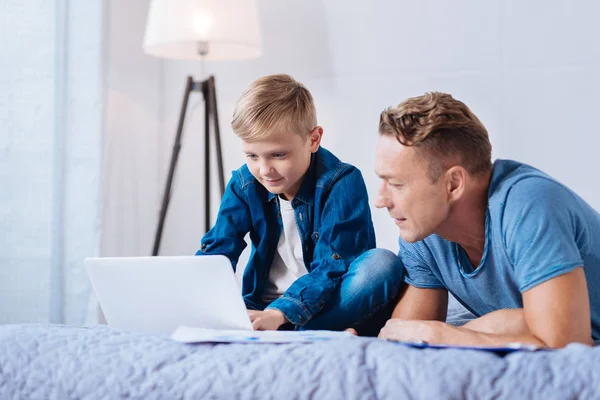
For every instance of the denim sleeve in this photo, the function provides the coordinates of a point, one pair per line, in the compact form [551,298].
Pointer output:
[233,223]
[542,231]
[345,233]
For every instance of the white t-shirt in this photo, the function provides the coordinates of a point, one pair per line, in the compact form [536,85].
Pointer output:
[288,263]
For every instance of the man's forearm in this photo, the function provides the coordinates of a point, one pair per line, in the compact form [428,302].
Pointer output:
[497,328]
[494,329]
[463,336]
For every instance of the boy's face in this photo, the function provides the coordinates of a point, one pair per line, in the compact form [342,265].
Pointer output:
[418,207]
[280,161]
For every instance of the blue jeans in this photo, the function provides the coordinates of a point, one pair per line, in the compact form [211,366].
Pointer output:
[367,295]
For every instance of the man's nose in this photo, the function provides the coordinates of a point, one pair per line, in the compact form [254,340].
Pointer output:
[382,200]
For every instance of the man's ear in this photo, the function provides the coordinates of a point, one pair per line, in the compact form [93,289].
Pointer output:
[314,138]
[456,181]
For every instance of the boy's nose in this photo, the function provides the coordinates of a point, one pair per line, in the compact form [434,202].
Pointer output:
[265,169]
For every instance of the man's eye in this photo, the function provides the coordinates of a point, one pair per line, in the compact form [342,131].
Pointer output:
[396,185]
[278,155]
[251,156]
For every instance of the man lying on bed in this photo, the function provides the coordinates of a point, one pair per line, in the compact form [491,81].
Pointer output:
[517,248]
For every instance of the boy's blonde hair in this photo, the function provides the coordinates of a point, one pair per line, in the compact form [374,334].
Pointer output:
[274,102]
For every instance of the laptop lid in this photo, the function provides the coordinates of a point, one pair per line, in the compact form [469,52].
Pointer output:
[158,294]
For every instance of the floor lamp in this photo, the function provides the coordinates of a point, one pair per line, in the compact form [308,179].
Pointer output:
[205,30]
[207,87]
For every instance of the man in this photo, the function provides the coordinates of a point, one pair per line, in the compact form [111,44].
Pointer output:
[517,248]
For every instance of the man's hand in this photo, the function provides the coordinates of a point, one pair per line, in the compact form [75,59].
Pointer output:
[268,320]
[413,331]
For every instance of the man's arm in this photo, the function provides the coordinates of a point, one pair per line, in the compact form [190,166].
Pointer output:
[556,313]
[421,304]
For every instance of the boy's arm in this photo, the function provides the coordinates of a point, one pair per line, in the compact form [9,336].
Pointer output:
[346,232]
[233,223]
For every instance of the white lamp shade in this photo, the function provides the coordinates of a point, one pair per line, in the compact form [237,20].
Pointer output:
[230,28]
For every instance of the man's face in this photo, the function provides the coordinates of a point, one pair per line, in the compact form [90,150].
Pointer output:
[280,161]
[418,206]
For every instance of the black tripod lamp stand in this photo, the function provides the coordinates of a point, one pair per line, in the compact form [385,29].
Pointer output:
[207,88]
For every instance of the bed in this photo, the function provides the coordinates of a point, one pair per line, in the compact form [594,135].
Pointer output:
[70,362]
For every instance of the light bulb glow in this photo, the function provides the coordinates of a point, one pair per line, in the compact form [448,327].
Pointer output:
[203,22]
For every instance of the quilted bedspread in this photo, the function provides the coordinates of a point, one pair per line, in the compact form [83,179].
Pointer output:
[67,362]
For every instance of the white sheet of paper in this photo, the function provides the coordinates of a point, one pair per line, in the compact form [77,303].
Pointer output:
[188,334]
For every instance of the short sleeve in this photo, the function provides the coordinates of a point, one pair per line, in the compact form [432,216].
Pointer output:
[418,271]
[543,231]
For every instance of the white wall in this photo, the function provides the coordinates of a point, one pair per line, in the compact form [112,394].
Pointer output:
[26,158]
[132,172]
[529,70]
[51,102]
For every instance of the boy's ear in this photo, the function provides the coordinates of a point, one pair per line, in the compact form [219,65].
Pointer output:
[314,138]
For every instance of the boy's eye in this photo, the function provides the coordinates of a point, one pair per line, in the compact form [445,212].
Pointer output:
[251,156]
[396,185]
[278,155]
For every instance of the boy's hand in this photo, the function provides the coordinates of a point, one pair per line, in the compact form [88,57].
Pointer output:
[268,320]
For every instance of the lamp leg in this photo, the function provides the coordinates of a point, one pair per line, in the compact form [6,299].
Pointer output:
[215,113]
[207,115]
[173,164]
[210,112]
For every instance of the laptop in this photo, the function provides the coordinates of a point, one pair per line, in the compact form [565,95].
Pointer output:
[158,294]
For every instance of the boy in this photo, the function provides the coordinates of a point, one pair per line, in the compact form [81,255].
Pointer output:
[313,262]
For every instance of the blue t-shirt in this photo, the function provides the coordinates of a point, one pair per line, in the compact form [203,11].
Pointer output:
[536,229]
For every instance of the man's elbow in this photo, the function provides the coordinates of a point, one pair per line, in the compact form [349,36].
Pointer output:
[559,341]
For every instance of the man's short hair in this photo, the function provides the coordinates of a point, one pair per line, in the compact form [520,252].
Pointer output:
[445,130]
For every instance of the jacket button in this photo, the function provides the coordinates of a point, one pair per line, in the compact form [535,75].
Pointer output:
[336,256]
[203,247]
[315,236]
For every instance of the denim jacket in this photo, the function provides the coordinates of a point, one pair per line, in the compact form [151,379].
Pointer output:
[334,220]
